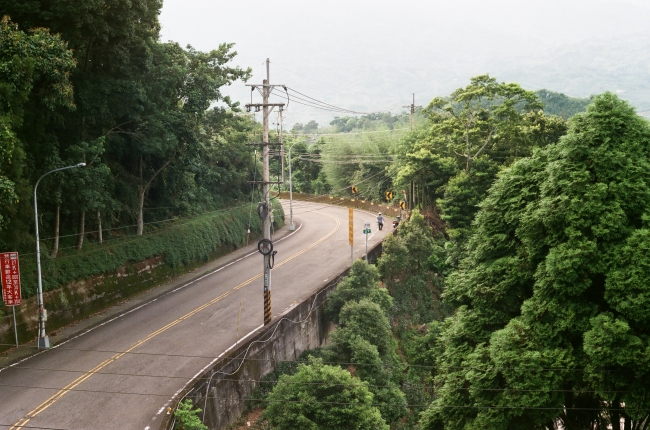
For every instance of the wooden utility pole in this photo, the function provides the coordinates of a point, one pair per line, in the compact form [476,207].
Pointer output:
[265,246]
[411,200]
[412,107]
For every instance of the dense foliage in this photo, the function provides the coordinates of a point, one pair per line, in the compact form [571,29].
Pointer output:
[320,397]
[527,310]
[183,242]
[551,320]
[562,105]
[140,113]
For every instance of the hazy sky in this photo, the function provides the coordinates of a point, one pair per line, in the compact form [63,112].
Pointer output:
[371,55]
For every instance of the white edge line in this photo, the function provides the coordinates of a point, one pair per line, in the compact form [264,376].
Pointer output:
[143,305]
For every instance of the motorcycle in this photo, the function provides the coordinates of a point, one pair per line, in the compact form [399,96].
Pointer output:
[396,222]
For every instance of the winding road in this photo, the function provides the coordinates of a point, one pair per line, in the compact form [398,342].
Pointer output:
[122,373]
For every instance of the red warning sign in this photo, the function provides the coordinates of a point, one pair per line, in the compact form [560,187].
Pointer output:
[10,277]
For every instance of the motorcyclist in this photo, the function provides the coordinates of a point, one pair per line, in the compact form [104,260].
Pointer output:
[380,221]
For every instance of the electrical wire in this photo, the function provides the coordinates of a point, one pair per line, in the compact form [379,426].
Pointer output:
[315,104]
[321,402]
[326,104]
[413,384]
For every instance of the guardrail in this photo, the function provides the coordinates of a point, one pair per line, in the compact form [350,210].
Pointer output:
[389,210]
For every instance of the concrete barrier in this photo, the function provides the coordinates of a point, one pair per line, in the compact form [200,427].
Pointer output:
[223,389]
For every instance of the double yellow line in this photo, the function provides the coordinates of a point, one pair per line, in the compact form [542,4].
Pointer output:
[62,392]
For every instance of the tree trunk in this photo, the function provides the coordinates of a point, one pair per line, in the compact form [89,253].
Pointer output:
[57,224]
[468,165]
[99,227]
[616,415]
[82,230]
[141,191]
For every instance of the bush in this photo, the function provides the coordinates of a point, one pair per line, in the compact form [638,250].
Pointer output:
[362,283]
[321,397]
[181,243]
[188,418]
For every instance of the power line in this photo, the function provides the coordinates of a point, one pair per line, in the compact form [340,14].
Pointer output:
[320,402]
[418,384]
[329,85]
[358,132]
[326,104]
[307,103]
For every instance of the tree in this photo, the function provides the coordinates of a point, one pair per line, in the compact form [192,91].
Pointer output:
[562,105]
[474,118]
[463,194]
[306,169]
[361,283]
[411,274]
[367,320]
[364,339]
[181,85]
[36,65]
[552,298]
[320,397]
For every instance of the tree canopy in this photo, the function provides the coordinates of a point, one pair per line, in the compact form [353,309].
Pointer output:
[322,397]
[552,297]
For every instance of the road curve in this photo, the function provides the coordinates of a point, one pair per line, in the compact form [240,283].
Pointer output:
[121,374]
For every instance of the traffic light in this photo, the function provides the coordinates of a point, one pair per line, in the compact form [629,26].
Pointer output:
[355,189]
[389,196]
[402,205]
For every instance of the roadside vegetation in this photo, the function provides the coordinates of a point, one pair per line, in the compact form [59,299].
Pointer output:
[514,296]
[515,293]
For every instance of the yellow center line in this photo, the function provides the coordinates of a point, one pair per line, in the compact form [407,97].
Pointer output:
[59,394]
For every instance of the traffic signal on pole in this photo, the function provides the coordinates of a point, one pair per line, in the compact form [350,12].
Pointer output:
[402,205]
[389,196]
[355,189]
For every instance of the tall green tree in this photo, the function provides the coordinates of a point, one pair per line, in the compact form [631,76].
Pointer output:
[473,119]
[36,65]
[181,85]
[551,327]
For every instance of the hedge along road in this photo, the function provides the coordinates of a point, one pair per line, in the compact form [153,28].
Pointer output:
[121,374]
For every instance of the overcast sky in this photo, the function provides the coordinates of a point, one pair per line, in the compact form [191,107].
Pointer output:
[371,55]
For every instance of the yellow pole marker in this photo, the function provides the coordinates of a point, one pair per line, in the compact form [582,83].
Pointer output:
[351,226]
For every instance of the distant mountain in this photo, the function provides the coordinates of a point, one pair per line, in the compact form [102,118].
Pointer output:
[562,105]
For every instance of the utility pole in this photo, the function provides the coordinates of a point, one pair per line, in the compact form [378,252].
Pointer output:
[265,246]
[412,107]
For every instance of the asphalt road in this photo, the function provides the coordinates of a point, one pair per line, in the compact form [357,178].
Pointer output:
[122,374]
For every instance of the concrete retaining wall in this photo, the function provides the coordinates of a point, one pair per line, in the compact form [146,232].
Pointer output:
[222,390]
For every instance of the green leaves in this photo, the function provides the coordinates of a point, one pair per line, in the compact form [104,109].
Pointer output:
[320,397]
[556,279]
[362,283]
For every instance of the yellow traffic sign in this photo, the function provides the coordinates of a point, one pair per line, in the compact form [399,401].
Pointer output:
[389,196]
[355,190]
[402,204]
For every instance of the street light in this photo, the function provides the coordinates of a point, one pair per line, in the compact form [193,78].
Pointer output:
[43,340]
[292,227]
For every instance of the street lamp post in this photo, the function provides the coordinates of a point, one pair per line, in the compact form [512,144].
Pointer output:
[43,340]
[292,227]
